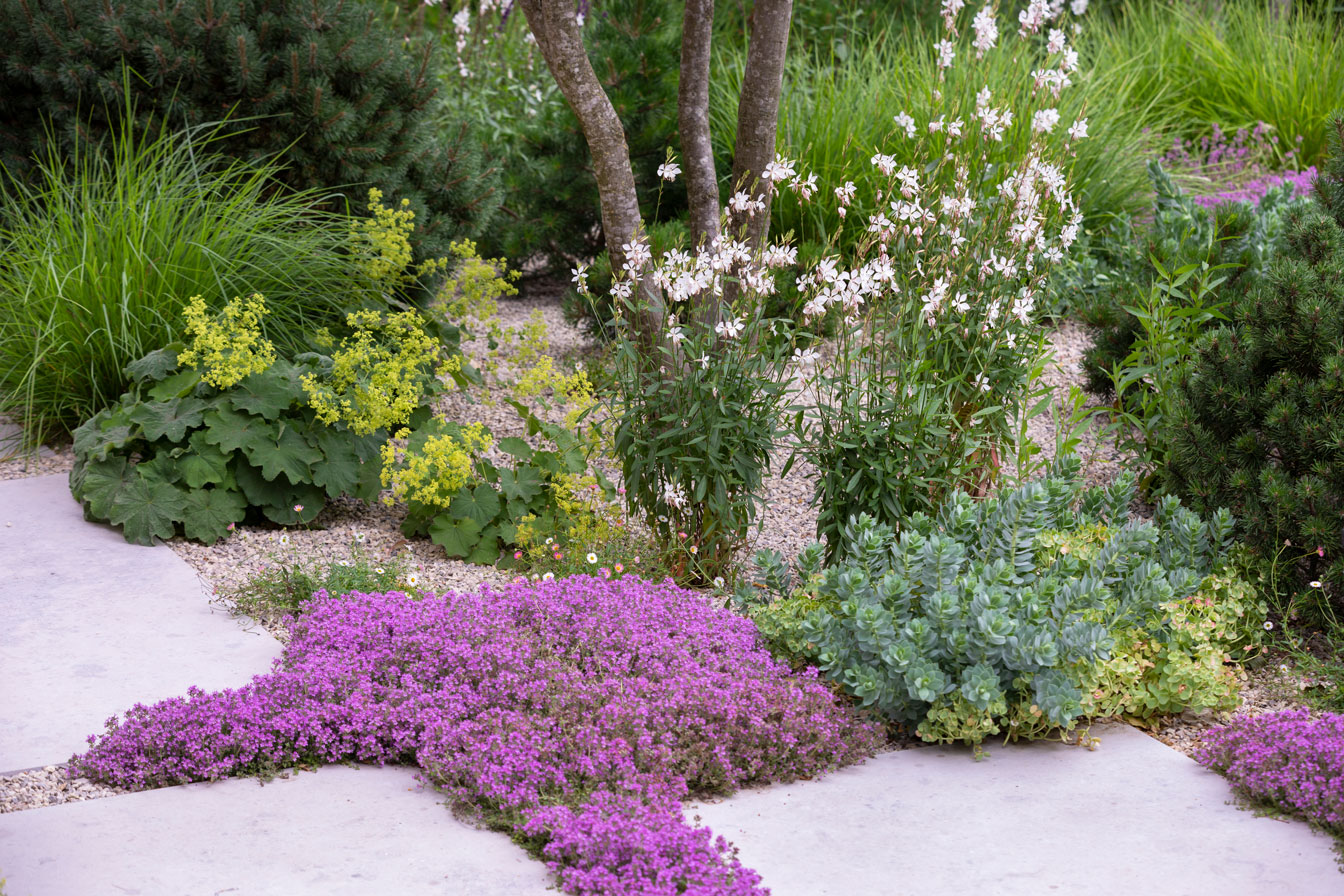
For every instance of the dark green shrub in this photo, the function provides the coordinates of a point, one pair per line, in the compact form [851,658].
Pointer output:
[1182,232]
[1008,615]
[326,85]
[1259,413]
[223,431]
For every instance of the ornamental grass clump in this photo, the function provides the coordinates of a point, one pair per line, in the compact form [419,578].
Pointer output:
[538,709]
[1285,759]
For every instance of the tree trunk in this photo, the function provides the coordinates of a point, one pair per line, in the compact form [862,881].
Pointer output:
[758,112]
[702,183]
[556,29]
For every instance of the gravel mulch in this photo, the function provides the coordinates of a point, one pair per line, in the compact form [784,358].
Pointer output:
[788,524]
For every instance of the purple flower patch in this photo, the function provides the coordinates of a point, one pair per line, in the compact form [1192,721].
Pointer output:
[576,713]
[1286,758]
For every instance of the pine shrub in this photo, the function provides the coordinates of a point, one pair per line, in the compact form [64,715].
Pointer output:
[324,84]
[1259,410]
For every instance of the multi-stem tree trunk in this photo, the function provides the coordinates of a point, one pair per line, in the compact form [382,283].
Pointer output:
[556,29]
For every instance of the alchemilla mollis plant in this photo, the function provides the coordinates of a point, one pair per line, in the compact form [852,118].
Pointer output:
[222,429]
[576,714]
[969,624]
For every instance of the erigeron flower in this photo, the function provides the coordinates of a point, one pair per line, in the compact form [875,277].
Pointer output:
[1314,584]
[694,549]
[591,558]
[1269,626]
[284,538]
[669,170]
[359,537]
[548,577]
[718,581]
[379,570]
[412,579]
[620,568]
[298,508]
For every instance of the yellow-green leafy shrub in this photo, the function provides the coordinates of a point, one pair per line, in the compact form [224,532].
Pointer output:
[227,346]
[378,374]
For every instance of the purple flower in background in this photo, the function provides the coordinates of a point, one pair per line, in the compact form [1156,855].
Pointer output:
[578,712]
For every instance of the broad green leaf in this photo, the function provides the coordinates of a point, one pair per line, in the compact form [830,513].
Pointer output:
[268,394]
[179,385]
[288,453]
[521,484]
[147,509]
[458,538]
[231,430]
[209,513]
[156,365]
[162,467]
[168,418]
[277,499]
[339,469]
[202,464]
[486,551]
[102,483]
[516,447]
[480,504]
[103,432]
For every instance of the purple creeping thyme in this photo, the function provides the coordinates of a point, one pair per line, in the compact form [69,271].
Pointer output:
[1286,758]
[577,713]
[1254,190]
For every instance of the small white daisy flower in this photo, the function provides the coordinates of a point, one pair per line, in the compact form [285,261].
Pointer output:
[592,558]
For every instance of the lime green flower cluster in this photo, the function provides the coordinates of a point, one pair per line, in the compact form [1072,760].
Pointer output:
[229,345]
[386,237]
[379,373]
[433,475]
[472,291]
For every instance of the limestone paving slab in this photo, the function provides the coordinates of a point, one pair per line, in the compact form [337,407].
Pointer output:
[336,831]
[93,625]
[1133,817]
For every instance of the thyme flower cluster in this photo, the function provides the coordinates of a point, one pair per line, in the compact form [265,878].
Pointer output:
[576,713]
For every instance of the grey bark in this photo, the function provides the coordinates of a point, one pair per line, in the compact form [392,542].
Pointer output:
[758,111]
[702,184]
[558,37]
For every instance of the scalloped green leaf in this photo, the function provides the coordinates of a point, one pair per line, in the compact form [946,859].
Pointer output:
[210,512]
[480,504]
[277,499]
[516,447]
[103,432]
[288,453]
[101,484]
[147,509]
[458,538]
[340,471]
[270,393]
[156,365]
[230,430]
[179,385]
[521,484]
[203,464]
[158,419]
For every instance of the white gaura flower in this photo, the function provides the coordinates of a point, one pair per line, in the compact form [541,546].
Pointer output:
[674,495]
[637,253]
[1044,121]
[804,186]
[986,31]
[1078,130]
[778,171]
[909,181]
[805,357]
[669,170]
[730,329]
[885,163]
[947,52]
[621,289]
[845,194]
[742,203]
[676,335]
[1055,41]
[905,123]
